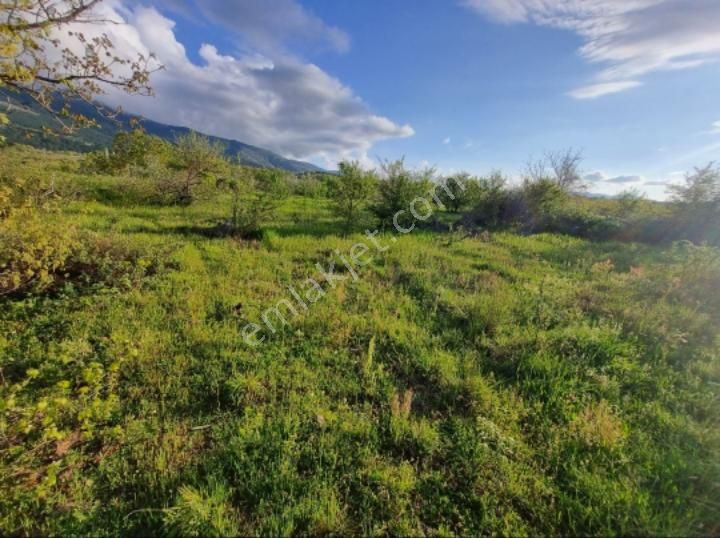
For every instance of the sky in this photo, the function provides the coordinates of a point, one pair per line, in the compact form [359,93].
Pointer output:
[472,85]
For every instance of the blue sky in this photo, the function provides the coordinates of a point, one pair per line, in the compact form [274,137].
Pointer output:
[463,85]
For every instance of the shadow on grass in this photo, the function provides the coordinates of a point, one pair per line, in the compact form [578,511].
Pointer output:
[622,255]
[205,231]
[313,229]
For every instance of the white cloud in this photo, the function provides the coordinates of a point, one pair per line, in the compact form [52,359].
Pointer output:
[278,102]
[267,24]
[628,38]
[600,177]
[594,177]
[507,11]
[715,127]
[597,90]
[446,141]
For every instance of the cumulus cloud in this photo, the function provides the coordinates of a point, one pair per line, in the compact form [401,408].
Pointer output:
[279,102]
[267,24]
[599,177]
[628,38]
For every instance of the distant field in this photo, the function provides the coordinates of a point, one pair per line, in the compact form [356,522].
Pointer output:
[501,384]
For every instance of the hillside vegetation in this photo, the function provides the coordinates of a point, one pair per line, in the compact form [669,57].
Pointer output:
[458,383]
[29,123]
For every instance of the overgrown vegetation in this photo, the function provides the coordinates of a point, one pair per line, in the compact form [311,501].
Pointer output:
[505,383]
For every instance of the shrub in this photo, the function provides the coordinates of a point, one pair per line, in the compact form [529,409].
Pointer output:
[37,257]
[195,159]
[559,167]
[22,194]
[309,185]
[628,202]
[350,192]
[697,205]
[459,192]
[33,254]
[580,224]
[31,251]
[256,195]
[397,189]
[133,149]
[491,199]
[528,208]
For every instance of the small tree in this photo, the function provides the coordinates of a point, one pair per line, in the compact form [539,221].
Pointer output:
[701,188]
[491,201]
[351,191]
[255,196]
[566,168]
[628,202]
[130,149]
[195,158]
[697,204]
[459,192]
[535,170]
[562,167]
[542,196]
[397,189]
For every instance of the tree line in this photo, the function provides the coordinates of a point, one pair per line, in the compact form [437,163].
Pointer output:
[549,197]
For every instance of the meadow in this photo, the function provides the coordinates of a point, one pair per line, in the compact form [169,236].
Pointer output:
[486,384]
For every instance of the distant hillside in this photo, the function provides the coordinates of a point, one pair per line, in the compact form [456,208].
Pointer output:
[28,120]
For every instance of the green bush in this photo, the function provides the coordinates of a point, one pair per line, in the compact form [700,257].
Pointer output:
[33,255]
[130,150]
[491,199]
[255,196]
[580,224]
[351,192]
[397,189]
[195,160]
[38,255]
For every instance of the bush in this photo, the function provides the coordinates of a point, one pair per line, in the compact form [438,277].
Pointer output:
[396,191]
[350,192]
[491,200]
[130,150]
[697,205]
[580,224]
[31,251]
[309,185]
[37,258]
[195,159]
[33,254]
[459,192]
[527,208]
[256,195]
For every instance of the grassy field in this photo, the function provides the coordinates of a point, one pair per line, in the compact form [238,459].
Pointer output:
[502,384]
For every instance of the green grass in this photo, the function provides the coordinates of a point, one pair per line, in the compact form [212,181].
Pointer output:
[506,385]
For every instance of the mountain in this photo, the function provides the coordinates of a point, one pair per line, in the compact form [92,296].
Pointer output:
[29,122]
